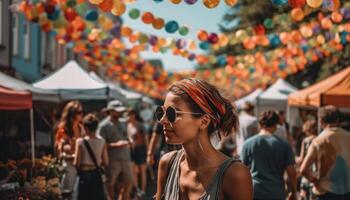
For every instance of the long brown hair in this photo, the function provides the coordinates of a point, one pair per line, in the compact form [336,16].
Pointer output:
[202,97]
[71,109]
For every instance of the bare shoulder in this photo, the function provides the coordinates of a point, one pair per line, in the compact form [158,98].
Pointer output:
[237,172]
[165,160]
[237,183]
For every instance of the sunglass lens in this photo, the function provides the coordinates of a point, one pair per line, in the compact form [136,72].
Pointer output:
[159,113]
[171,114]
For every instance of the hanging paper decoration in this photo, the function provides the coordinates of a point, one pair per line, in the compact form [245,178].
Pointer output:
[213,38]
[171,26]
[106,5]
[96,2]
[175,1]
[147,18]
[91,15]
[297,14]
[190,2]
[296,3]
[70,14]
[314,3]
[118,8]
[269,24]
[211,3]
[231,2]
[183,30]
[202,35]
[279,2]
[158,23]
[134,13]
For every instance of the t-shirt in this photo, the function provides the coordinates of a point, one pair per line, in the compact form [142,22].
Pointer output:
[332,152]
[113,132]
[97,145]
[267,156]
[248,126]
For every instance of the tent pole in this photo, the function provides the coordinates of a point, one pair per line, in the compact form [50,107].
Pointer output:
[32,139]
[318,120]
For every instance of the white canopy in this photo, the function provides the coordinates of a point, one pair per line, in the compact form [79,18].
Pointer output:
[276,96]
[116,91]
[251,98]
[72,82]
[37,93]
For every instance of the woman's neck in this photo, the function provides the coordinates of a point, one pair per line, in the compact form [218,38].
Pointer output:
[199,153]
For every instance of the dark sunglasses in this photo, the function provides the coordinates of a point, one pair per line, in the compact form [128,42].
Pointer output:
[171,113]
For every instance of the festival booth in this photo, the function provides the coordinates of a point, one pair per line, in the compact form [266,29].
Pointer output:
[37,93]
[276,98]
[72,82]
[19,100]
[251,98]
[117,92]
[334,90]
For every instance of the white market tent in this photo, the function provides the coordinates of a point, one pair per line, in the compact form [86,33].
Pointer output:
[276,96]
[37,93]
[251,98]
[72,82]
[117,92]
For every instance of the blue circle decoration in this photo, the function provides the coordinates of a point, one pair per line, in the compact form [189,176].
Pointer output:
[171,26]
[204,45]
[91,15]
[279,2]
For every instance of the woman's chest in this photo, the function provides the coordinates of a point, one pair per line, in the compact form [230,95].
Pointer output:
[194,185]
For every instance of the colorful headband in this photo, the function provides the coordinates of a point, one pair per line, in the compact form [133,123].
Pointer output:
[205,99]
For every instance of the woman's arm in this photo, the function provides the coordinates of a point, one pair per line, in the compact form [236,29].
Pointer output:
[237,183]
[77,153]
[105,159]
[163,171]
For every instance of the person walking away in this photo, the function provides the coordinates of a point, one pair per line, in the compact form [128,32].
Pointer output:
[139,141]
[113,130]
[330,152]
[68,130]
[310,130]
[91,153]
[248,126]
[268,157]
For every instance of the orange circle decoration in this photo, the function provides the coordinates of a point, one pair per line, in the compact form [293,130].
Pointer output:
[158,23]
[211,3]
[202,35]
[175,1]
[297,14]
[336,17]
[314,3]
[126,31]
[96,2]
[231,2]
[147,18]
[106,5]
[118,9]
[326,23]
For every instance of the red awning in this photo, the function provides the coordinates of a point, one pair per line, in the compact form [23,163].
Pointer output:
[14,99]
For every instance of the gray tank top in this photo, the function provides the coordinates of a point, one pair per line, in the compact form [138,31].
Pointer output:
[172,188]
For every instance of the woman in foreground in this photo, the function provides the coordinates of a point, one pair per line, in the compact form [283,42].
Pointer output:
[192,111]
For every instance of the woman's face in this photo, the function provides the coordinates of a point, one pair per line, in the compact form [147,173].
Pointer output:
[79,114]
[185,126]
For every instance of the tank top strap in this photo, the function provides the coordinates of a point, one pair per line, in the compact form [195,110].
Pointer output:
[213,191]
[171,190]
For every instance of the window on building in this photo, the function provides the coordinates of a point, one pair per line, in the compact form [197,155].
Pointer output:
[26,40]
[1,24]
[15,34]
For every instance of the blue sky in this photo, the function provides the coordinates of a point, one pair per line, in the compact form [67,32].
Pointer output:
[196,16]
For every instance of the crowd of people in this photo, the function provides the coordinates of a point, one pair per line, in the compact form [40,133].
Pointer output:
[263,160]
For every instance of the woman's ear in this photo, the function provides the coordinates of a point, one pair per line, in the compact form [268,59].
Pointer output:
[205,121]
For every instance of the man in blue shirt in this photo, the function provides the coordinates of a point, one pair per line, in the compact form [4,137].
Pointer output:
[268,157]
